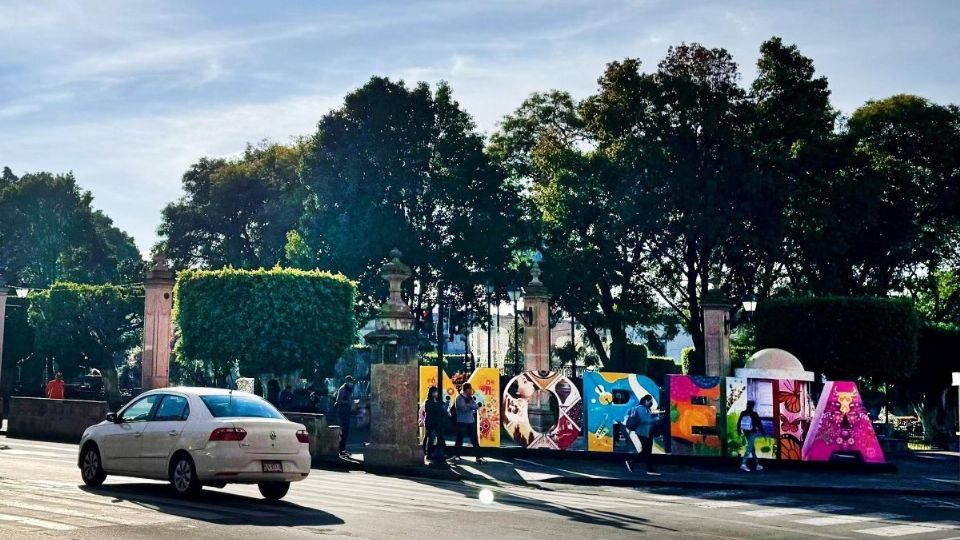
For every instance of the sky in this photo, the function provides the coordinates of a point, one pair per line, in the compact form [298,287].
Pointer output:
[128,94]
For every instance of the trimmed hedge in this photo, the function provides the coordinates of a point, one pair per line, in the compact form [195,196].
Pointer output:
[273,321]
[843,337]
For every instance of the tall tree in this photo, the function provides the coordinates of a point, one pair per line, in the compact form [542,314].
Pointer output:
[400,167]
[87,326]
[235,212]
[49,232]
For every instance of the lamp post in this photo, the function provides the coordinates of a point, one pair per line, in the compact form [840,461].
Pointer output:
[514,294]
[749,305]
[489,289]
[440,339]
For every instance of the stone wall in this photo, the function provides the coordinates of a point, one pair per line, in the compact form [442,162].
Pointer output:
[324,439]
[53,419]
[394,440]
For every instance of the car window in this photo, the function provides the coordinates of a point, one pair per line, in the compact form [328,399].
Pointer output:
[140,409]
[172,408]
[239,405]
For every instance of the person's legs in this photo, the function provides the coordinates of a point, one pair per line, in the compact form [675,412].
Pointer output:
[647,452]
[749,451]
[344,433]
[458,445]
[474,440]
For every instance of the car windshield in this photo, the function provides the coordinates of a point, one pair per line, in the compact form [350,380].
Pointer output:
[239,405]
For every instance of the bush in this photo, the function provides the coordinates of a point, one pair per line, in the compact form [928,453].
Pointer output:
[843,337]
[685,355]
[658,367]
[937,358]
[270,321]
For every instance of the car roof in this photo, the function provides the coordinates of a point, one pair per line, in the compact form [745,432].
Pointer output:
[196,391]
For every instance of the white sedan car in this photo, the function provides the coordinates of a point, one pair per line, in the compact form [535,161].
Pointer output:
[197,436]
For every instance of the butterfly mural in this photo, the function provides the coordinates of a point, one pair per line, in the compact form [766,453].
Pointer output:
[794,408]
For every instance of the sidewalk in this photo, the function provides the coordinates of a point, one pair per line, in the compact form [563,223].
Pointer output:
[922,474]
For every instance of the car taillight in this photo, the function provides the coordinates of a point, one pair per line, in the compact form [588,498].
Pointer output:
[228,434]
[303,436]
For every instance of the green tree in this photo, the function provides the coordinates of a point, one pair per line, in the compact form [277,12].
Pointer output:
[50,232]
[87,326]
[270,322]
[400,167]
[297,252]
[235,212]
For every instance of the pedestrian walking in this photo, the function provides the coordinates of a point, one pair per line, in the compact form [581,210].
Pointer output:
[434,413]
[273,392]
[343,406]
[55,387]
[751,428]
[640,420]
[286,398]
[466,407]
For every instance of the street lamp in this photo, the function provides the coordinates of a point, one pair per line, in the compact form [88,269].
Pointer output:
[22,292]
[514,293]
[749,304]
[489,289]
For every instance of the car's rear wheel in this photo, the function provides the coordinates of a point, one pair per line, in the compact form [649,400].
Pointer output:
[183,476]
[91,467]
[273,491]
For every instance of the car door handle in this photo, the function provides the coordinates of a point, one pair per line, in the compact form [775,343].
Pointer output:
[173,432]
[137,435]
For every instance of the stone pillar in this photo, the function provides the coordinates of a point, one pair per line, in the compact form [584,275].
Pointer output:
[3,315]
[716,331]
[536,334]
[394,378]
[157,325]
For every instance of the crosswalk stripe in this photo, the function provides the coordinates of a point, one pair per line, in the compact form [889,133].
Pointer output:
[898,530]
[34,522]
[774,512]
[72,512]
[845,520]
[395,502]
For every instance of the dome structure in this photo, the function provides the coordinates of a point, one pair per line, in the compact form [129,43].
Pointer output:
[774,364]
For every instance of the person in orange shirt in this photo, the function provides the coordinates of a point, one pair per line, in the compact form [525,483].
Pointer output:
[55,387]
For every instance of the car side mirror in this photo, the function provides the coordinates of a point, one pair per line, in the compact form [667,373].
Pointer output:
[112,417]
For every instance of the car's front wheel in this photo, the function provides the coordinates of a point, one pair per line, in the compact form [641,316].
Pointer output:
[273,491]
[183,476]
[91,467]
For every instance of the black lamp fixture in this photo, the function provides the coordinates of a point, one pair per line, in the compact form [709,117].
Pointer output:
[749,304]
[515,293]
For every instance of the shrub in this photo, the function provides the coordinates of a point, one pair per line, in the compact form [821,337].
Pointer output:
[269,321]
[658,367]
[843,337]
[685,359]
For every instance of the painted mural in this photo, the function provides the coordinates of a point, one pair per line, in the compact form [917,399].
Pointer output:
[486,384]
[608,398]
[735,402]
[841,426]
[542,410]
[794,412]
[760,391]
[694,410]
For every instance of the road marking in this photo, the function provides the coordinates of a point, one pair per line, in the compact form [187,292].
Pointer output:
[773,512]
[845,520]
[34,522]
[902,530]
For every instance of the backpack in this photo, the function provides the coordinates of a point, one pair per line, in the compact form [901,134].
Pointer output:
[746,424]
[633,419]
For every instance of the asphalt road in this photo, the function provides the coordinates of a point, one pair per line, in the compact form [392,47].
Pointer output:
[41,496]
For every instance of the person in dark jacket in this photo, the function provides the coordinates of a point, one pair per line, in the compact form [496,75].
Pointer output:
[466,408]
[751,428]
[273,392]
[286,399]
[434,414]
[641,420]
[343,406]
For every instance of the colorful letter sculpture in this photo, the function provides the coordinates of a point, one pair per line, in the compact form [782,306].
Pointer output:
[794,409]
[735,399]
[428,378]
[486,384]
[609,397]
[841,426]
[694,407]
[542,410]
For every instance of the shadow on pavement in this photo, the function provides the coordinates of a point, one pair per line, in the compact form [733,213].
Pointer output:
[215,506]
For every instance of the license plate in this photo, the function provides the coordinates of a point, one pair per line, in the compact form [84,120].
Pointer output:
[272,466]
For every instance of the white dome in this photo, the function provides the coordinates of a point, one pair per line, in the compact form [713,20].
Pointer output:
[778,359]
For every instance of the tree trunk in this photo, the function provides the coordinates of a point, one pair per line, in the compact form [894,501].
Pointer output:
[597,343]
[695,325]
